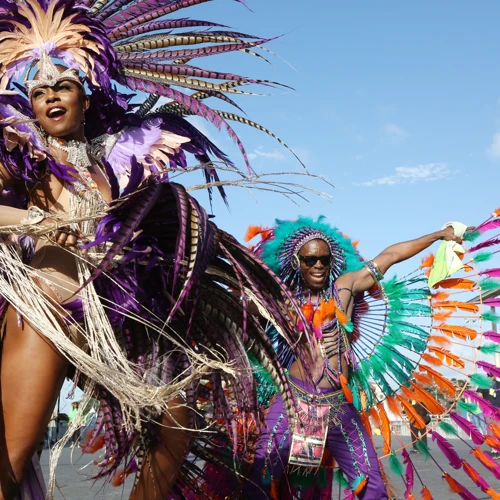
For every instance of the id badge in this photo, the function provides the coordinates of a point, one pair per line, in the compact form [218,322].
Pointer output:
[309,438]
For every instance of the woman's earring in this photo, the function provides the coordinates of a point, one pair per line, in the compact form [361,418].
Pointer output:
[83,120]
[295,261]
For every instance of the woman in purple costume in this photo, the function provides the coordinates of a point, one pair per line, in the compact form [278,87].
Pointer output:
[323,268]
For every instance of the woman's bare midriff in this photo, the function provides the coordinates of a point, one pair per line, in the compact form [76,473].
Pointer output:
[56,265]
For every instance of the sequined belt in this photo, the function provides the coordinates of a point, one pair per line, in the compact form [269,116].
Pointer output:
[316,413]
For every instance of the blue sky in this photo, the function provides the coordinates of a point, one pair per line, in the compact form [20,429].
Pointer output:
[397,102]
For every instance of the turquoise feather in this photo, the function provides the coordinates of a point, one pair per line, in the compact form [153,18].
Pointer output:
[394,464]
[490,348]
[482,381]
[424,450]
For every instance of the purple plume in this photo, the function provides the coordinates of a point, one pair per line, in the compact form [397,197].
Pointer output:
[488,225]
[470,429]
[409,473]
[493,336]
[487,408]
[485,244]
[490,369]
[447,449]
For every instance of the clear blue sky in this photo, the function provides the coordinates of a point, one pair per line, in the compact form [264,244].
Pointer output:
[397,102]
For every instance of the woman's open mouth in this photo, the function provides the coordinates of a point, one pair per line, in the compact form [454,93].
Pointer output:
[56,113]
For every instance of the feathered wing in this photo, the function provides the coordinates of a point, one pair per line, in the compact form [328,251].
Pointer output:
[430,346]
[187,267]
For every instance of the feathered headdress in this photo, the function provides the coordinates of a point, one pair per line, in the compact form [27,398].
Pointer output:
[281,244]
[36,31]
[131,42]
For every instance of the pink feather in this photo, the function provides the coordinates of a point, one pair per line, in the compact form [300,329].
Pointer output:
[493,336]
[485,244]
[489,225]
[492,302]
[490,369]
[486,407]
[409,474]
[475,476]
[448,450]
[492,273]
[470,429]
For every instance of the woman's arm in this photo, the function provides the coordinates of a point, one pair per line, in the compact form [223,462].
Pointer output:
[363,279]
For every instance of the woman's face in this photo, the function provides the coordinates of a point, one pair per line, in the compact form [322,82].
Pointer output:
[60,109]
[315,262]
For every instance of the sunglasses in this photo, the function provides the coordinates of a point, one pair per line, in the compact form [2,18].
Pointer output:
[310,260]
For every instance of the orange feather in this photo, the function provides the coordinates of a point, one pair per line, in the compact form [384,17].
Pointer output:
[496,213]
[385,429]
[454,486]
[450,358]
[440,295]
[441,316]
[428,400]
[366,422]
[426,494]
[431,359]
[492,442]
[444,385]
[495,429]
[468,268]
[274,490]
[437,339]
[410,496]
[485,460]
[393,406]
[492,494]
[360,486]
[427,261]
[95,446]
[412,415]
[308,311]
[461,332]
[460,283]
[252,232]
[455,304]
[328,310]
[480,455]
[422,379]
[342,317]
[375,417]
[345,388]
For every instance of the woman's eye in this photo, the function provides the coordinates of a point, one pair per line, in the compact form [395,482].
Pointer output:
[37,94]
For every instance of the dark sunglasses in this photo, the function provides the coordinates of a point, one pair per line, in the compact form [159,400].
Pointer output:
[310,260]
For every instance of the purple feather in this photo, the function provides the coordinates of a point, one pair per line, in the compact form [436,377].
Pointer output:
[470,429]
[409,473]
[168,24]
[490,369]
[488,225]
[448,450]
[486,407]
[485,244]
[166,55]
[492,302]
[143,11]
[493,336]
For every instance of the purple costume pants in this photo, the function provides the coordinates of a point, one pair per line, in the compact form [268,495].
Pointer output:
[349,443]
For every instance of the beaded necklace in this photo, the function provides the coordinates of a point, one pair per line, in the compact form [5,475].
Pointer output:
[79,158]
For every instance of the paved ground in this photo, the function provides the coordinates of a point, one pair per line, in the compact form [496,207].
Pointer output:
[73,484]
[72,475]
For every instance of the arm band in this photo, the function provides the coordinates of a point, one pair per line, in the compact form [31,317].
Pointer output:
[374,270]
